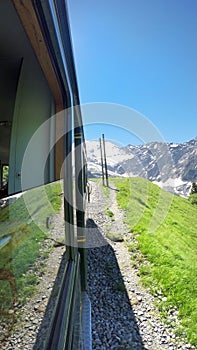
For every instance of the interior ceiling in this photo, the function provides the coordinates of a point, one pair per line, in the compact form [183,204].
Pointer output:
[10,32]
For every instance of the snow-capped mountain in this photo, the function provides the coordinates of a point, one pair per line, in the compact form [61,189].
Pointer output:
[169,165]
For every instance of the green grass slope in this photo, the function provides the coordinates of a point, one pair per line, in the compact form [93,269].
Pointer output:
[165,227]
[24,224]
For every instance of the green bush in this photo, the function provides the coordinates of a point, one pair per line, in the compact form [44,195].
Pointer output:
[193,198]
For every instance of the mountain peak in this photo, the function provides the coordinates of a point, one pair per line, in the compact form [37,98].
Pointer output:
[172,166]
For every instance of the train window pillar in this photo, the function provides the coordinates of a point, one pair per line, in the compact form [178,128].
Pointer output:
[80,210]
[70,227]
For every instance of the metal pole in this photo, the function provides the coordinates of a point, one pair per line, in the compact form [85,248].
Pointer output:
[102,167]
[105,160]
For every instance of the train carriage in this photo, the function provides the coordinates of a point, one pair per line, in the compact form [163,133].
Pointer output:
[38,86]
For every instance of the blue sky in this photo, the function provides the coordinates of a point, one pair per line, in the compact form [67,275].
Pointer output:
[141,54]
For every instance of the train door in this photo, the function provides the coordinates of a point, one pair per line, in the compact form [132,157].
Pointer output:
[33,106]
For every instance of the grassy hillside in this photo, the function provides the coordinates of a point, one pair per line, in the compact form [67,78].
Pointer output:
[164,228]
[22,232]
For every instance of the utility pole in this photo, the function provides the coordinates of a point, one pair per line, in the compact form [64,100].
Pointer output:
[102,167]
[105,160]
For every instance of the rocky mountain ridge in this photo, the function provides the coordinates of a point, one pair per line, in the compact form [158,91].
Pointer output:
[169,165]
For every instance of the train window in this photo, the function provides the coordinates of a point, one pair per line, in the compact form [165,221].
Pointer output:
[42,233]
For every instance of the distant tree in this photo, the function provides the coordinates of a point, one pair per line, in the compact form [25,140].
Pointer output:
[193,198]
[193,193]
[193,188]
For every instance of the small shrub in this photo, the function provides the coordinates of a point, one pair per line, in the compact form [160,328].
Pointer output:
[107,266]
[109,213]
[193,198]
[120,287]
